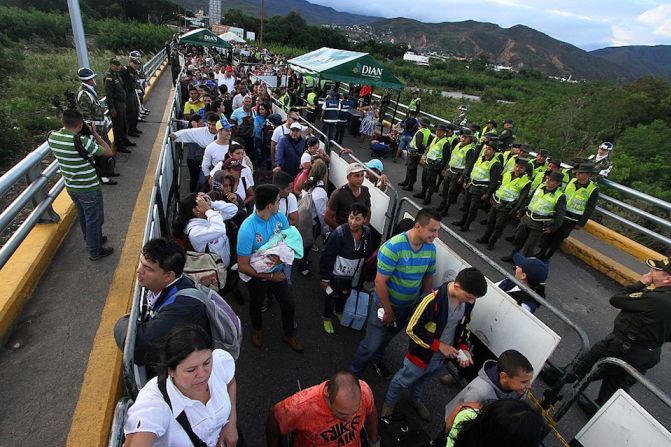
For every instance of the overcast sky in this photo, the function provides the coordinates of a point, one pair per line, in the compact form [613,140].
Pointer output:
[588,24]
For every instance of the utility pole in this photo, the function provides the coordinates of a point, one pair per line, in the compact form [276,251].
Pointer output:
[78,33]
[261,28]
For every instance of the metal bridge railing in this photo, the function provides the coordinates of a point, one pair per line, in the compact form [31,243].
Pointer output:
[659,216]
[37,193]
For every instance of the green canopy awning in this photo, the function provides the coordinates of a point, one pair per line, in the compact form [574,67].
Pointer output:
[346,66]
[205,37]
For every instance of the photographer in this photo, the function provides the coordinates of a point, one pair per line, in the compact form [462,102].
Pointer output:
[73,150]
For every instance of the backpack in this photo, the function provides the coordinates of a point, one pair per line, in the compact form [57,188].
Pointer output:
[206,269]
[305,221]
[224,323]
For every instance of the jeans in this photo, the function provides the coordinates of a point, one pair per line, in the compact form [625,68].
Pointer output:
[329,129]
[404,141]
[377,337]
[257,292]
[90,215]
[413,377]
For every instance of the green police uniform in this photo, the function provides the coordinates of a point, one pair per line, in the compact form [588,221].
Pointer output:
[507,199]
[641,328]
[580,204]
[437,151]
[463,155]
[546,209]
[130,77]
[116,101]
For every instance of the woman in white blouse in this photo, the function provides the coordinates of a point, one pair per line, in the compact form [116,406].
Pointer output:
[195,380]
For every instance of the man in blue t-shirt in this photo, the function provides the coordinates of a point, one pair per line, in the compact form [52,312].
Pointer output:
[254,232]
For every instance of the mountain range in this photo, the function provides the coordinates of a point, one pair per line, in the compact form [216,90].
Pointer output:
[519,46]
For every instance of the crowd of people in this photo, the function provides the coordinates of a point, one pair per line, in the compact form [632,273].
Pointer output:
[260,202]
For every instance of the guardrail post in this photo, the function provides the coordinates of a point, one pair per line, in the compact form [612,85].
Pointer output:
[49,215]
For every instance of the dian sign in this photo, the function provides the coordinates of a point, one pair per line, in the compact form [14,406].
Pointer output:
[375,72]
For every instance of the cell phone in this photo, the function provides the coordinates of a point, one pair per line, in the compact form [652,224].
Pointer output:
[329,290]
[461,355]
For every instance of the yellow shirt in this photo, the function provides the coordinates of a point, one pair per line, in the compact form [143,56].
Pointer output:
[193,107]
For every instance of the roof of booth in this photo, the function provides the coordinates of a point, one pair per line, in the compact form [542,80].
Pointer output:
[203,36]
[346,66]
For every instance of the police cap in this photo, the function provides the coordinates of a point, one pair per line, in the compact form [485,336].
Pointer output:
[662,264]
[494,144]
[525,148]
[466,132]
[522,161]
[556,175]
[85,74]
[544,153]
[555,161]
[114,61]
[586,167]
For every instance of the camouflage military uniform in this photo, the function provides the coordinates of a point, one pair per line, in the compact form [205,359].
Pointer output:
[92,110]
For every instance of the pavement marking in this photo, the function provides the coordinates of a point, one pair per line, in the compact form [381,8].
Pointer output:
[623,243]
[23,270]
[604,264]
[102,385]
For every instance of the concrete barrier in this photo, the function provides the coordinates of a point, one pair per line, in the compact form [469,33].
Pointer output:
[623,243]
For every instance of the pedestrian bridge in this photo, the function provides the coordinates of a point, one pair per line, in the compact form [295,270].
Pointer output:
[58,309]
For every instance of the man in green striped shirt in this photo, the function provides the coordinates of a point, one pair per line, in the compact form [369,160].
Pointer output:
[405,267]
[73,151]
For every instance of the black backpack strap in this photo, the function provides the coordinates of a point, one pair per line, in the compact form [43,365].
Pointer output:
[181,418]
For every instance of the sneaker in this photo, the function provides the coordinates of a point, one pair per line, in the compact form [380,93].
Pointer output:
[328,326]
[103,253]
[447,379]
[293,343]
[257,338]
[421,410]
[382,370]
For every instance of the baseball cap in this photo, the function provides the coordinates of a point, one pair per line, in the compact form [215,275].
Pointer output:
[535,269]
[662,264]
[233,163]
[229,68]
[375,164]
[221,124]
[295,125]
[353,168]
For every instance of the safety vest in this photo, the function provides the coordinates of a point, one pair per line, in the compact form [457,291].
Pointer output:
[481,170]
[536,169]
[511,188]
[331,109]
[435,151]
[414,104]
[542,205]
[284,101]
[576,199]
[426,134]
[451,139]
[458,158]
[508,161]
[309,81]
[311,100]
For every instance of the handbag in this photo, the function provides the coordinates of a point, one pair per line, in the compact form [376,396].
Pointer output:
[398,431]
[207,269]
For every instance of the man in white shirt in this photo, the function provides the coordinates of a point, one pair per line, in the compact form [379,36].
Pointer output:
[216,151]
[228,79]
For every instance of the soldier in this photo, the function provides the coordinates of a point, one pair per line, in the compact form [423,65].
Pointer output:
[483,180]
[130,79]
[416,148]
[437,154]
[640,330]
[463,154]
[461,120]
[506,202]
[544,215]
[94,112]
[582,195]
[141,83]
[602,163]
[116,103]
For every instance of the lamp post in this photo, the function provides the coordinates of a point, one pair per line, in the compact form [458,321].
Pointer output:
[78,33]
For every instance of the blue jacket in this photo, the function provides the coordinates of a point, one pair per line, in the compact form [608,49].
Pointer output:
[288,154]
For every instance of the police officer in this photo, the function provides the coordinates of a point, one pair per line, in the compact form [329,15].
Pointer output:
[507,135]
[346,104]
[481,181]
[313,105]
[641,328]
[416,148]
[415,103]
[539,164]
[602,163]
[330,112]
[94,112]
[130,78]
[544,215]
[582,195]
[463,154]
[506,201]
[116,103]
[509,157]
[437,153]
[490,128]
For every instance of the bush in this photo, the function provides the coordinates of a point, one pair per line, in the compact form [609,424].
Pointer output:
[115,35]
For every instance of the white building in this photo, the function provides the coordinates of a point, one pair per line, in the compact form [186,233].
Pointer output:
[416,58]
